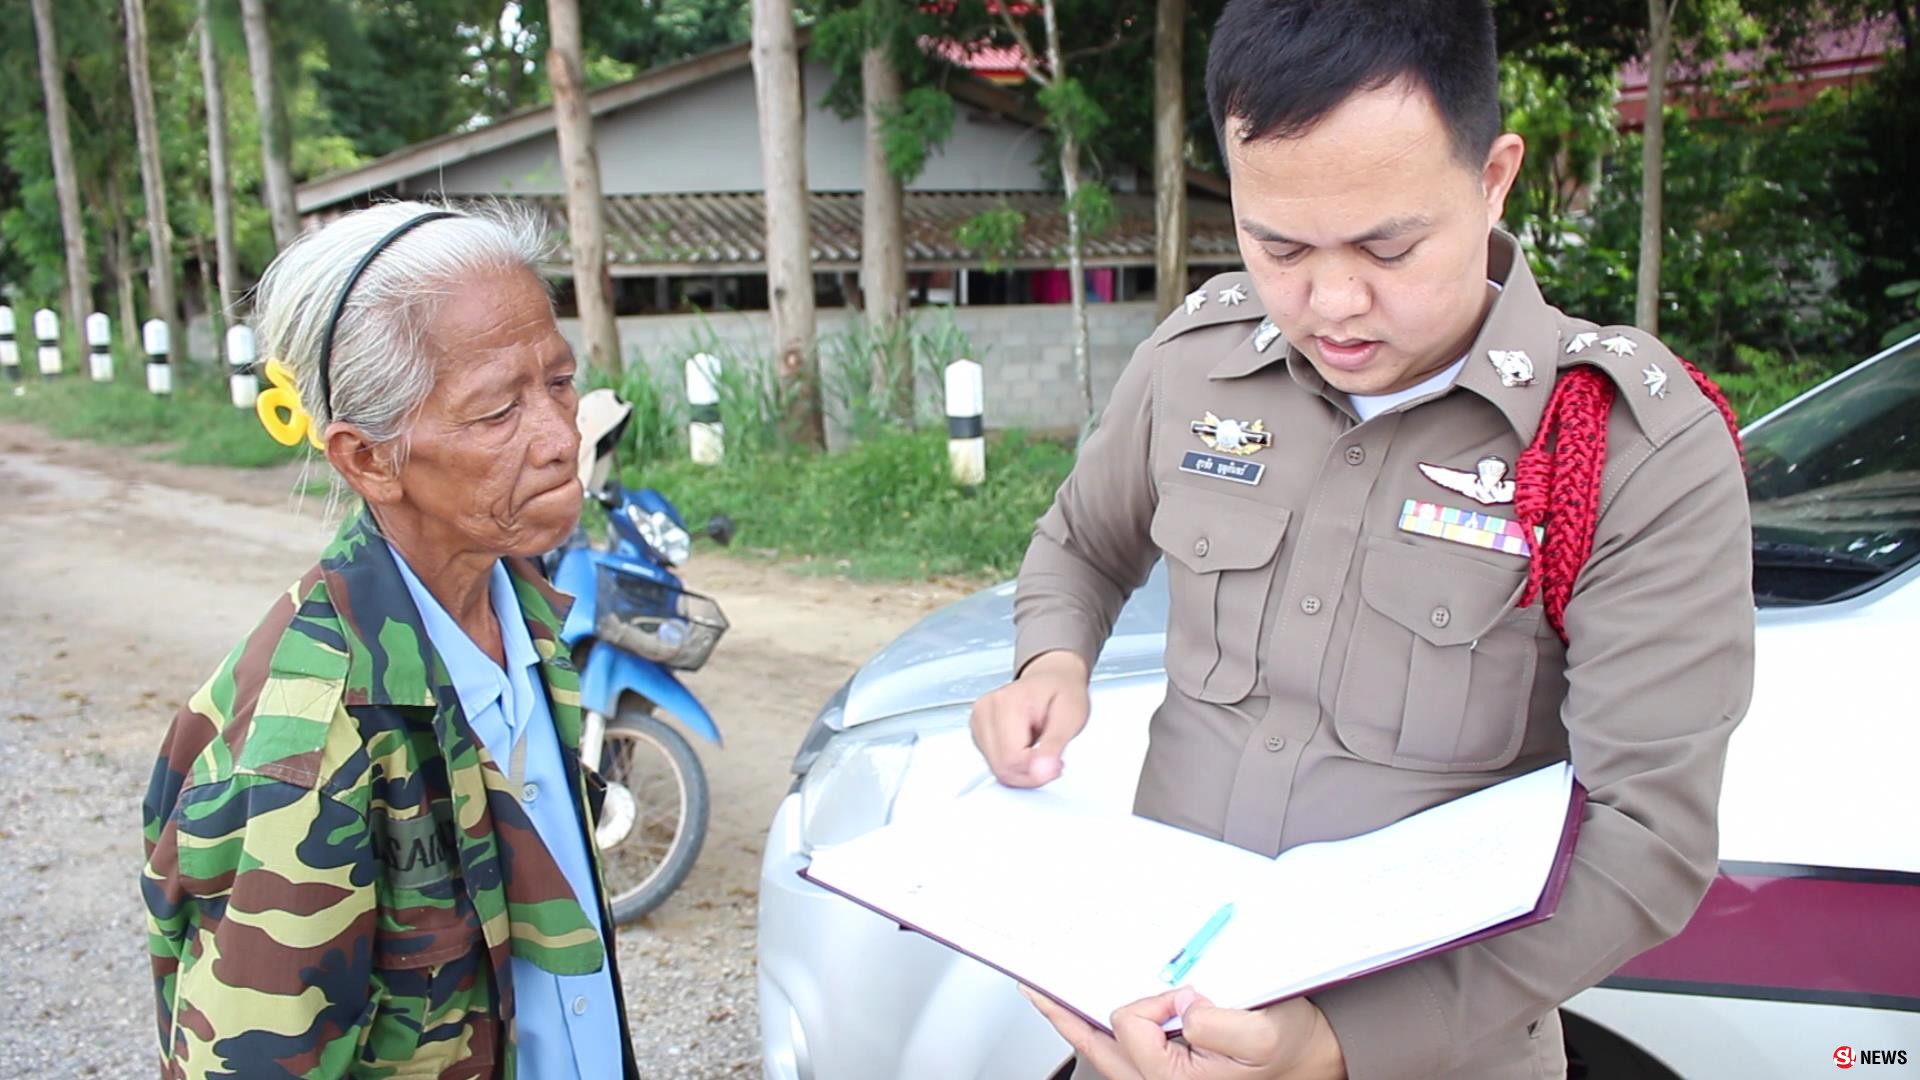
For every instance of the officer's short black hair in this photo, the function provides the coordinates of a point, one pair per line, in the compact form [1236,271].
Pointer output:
[1278,67]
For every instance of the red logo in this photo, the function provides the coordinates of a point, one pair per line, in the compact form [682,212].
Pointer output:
[1843,1058]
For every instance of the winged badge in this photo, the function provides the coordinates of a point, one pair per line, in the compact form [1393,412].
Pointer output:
[1237,437]
[1487,484]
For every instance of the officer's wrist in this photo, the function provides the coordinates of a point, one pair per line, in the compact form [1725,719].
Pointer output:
[1061,664]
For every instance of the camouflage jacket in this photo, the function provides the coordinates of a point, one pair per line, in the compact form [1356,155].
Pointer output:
[337,871]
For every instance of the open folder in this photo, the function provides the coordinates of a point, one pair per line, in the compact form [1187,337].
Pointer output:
[1097,908]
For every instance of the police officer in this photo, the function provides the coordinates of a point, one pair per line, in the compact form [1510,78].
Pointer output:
[1422,532]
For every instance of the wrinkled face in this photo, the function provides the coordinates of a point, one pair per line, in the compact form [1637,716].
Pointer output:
[490,466]
[1367,237]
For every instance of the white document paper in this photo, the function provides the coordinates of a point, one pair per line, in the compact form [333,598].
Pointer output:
[1088,904]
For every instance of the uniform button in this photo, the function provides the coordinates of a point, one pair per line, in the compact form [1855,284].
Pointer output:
[529,792]
[1356,455]
[1276,744]
[1201,547]
[580,1005]
[1441,617]
[1310,605]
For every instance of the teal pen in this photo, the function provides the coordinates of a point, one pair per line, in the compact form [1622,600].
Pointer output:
[1184,960]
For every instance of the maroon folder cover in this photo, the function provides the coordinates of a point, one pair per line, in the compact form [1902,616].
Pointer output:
[1542,911]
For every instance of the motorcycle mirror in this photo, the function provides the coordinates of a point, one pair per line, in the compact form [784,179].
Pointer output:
[720,529]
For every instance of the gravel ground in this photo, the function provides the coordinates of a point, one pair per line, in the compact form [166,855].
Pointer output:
[126,580]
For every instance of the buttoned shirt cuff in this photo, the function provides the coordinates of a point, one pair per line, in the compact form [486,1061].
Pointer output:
[1052,632]
[1389,1025]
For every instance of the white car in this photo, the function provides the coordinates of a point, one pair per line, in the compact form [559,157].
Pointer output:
[1804,956]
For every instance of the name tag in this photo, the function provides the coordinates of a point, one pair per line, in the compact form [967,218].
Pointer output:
[1469,527]
[415,852]
[1221,467]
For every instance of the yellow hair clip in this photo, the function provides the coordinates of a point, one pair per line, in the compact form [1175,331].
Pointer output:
[284,395]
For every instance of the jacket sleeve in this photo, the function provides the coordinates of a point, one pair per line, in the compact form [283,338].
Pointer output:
[260,906]
[1092,548]
[1659,670]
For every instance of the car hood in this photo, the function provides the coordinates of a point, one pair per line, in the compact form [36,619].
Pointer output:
[965,649]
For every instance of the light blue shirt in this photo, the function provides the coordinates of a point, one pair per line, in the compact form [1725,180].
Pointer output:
[566,1027]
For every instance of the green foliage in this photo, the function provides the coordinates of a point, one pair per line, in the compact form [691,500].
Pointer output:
[1568,124]
[1093,204]
[865,369]
[1902,331]
[884,509]
[1753,243]
[909,134]
[1071,110]
[1760,381]
[197,425]
[994,235]
[1873,190]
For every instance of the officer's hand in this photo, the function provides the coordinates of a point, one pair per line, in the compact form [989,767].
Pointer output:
[1022,727]
[1288,1041]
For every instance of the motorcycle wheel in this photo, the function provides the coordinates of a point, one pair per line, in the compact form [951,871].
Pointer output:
[655,817]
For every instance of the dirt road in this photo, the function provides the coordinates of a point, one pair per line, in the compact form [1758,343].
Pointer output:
[123,581]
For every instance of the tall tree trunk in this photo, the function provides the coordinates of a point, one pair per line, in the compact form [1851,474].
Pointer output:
[1646,303]
[121,257]
[586,217]
[1076,255]
[1170,154]
[153,181]
[276,145]
[66,183]
[222,179]
[783,157]
[883,249]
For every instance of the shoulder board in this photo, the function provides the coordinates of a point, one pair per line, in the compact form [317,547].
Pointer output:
[1225,298]
[1650,379]
[296,694]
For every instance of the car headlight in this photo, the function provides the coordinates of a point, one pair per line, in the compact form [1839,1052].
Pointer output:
[658,530]
[857,780]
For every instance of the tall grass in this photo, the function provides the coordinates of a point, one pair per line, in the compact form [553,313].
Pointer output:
[196,425]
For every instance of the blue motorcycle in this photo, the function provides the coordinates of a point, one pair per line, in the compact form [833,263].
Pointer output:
[632,626]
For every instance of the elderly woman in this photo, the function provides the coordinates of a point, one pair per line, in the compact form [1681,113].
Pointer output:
[368,835]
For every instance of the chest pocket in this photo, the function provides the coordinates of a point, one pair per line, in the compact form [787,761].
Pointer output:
[1439,671]
[1222,553]
[432,973]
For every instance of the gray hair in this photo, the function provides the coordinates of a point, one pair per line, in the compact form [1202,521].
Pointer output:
[380,369]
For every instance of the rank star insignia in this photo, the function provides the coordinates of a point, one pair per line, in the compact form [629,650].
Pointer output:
[1488,484]
[1196,300]
[1582,342]
[1515,367]
[1237,437]
[1265,336]
[1655,380]
[1619,346]
[1234,296]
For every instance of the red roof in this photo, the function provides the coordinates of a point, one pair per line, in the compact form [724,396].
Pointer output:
[1839,57]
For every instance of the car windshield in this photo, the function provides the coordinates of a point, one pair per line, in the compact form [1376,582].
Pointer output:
[1835,485]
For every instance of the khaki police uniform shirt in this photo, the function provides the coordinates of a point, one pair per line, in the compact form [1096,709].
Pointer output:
[1330,671]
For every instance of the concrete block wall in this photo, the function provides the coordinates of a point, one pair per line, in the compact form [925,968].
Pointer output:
[1026,350]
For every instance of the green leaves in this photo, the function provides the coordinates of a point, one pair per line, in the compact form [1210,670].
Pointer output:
[923,121]
[993,235]
[1071,110]
[1907,329]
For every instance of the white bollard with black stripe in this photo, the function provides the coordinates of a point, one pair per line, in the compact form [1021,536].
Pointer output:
[100,346]
[159,370]
[244,384]
[46,327]
[706,435]
[9,348]
[966,423]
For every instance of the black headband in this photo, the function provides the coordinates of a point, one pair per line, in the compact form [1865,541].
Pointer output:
[340,305]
